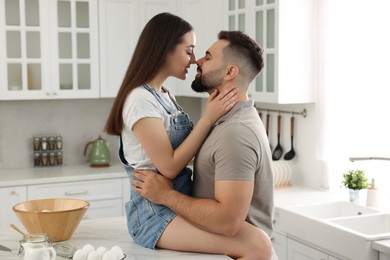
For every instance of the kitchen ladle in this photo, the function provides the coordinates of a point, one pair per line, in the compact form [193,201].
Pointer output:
[278,149]
[289,155]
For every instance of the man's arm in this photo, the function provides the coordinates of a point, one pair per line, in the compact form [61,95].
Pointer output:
[224,214]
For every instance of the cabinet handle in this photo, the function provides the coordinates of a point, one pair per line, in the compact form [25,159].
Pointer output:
[272,239]
[12,193]
[70,193]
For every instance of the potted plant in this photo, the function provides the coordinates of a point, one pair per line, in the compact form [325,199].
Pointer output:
[355,180]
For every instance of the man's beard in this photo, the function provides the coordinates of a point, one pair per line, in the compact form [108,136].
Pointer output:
[208,82]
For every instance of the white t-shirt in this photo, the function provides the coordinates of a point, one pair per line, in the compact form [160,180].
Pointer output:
[140,103]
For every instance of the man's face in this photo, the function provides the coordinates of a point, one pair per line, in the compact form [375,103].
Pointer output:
[211,69]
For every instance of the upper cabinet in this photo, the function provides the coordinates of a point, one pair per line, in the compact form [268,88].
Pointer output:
[207,19]
[120,24]
[118,31]
[49,49]
[285,30]
[82,48]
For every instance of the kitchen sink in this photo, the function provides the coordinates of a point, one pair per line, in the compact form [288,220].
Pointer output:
[332,210]
[372,227]
[341,227]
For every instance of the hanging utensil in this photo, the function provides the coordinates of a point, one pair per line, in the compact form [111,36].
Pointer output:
[291,153]
[278,149]
[267,129]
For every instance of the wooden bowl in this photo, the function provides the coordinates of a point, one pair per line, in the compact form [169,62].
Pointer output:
[58,218]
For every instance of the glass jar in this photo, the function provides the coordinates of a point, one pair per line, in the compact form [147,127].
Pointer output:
[36,239]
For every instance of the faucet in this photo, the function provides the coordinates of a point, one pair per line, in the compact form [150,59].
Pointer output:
[352,159]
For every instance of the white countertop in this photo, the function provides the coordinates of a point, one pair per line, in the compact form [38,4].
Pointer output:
[42,175]
[106,232]
[382,246]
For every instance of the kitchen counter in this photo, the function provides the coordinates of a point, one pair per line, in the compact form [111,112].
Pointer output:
[42,175]
[382,246]
[106,232]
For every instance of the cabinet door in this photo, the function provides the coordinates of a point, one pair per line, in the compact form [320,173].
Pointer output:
[74,59]
[146,10]
[88,190]
[24,49]
[206,26]
[285,31]
[118,35]
[9,196]
[299,251]
[382,256]
[279,242]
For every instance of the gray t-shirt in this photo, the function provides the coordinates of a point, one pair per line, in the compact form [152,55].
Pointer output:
[139,104]
[237,149]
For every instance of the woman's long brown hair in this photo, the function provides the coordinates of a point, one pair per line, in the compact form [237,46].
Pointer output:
[159,37]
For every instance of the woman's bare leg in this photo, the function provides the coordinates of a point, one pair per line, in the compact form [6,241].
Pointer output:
[249,243]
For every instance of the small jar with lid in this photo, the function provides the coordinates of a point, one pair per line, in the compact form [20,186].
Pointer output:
[38,239]
[44,144]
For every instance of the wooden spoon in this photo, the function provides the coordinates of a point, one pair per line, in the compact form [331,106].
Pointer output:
[18,229]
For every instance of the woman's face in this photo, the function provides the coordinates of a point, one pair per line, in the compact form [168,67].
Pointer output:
[179,60]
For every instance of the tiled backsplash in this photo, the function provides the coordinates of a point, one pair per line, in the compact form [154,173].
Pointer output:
[77,121]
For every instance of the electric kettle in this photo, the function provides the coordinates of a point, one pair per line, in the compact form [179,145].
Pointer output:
[99,156]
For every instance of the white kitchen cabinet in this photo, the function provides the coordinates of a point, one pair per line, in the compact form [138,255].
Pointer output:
[285,30]
[120,25]
[105,196]
[382,256]
[279,243]
[299,251]
[207,23]
[125,19]
[9,196]
[49,49]
[118,35]
[279,238]
[149,8]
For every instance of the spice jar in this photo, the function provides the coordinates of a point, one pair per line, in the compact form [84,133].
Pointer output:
[59,142]
[37,159]
[52,143]
[44,159]
[44,144]
[36,143]
[59,158]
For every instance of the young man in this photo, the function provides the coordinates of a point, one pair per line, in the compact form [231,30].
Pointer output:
[232,203]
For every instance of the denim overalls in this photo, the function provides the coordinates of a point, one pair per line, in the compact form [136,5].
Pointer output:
[146,221]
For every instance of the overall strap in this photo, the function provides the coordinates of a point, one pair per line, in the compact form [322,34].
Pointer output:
[160,100]
[121,153]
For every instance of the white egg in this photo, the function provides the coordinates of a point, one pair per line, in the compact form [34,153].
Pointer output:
[118,251]
[101,250]
[88,248]
[109,255]
[80,255]
[94,255]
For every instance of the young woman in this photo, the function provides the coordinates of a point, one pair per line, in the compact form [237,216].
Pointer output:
[154,131]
